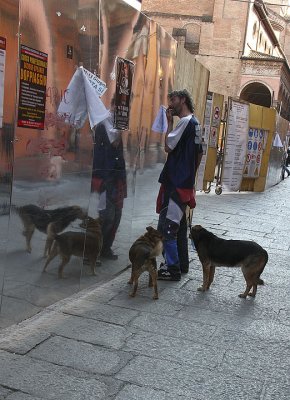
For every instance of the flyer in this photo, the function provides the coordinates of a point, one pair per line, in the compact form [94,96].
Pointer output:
[2,73]
[32,88]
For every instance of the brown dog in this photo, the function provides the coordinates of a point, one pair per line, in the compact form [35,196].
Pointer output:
[81,244]
[142,255]
[50,222]
[214,251]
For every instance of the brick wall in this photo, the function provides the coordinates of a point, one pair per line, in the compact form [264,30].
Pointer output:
[186,7]
[221,41]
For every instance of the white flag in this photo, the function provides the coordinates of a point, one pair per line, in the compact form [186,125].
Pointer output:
[82,99]
[160,124]
[277,141]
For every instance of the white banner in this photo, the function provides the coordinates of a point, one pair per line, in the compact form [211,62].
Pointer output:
[82,99]
[99,85]
[236,145]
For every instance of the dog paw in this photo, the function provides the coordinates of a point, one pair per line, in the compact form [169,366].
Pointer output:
[155,297]
[252,295]
[132,294]
[242,295]
[201,289]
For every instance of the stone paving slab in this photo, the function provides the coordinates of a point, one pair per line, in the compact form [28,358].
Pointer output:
[177,350]
[184,380]
[145,393]
[4,393]
[81,356]
[249,359]
[101,312]
[22,396]
[89,330]
[173,327]
[50,381]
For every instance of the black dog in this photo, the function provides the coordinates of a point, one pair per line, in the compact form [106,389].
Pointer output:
[214,251]
[50,222]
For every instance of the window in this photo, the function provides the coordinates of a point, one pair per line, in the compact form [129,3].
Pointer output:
[255,29]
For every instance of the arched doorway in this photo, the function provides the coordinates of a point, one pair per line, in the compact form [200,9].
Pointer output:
[257,93]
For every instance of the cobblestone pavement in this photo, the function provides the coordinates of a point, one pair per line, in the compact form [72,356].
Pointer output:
[102,344]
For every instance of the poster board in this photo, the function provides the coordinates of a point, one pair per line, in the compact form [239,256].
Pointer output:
[32,88]
[236,145]
[2,73]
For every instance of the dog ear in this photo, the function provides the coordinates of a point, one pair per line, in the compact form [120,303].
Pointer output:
[149,228]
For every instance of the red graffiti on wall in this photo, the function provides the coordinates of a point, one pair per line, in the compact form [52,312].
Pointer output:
[55,120]
[53,147]
[55,95]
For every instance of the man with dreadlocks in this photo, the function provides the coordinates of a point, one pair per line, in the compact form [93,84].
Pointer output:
[183,145]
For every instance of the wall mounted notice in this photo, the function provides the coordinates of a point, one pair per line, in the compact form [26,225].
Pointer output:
[236,145]
[2,72]
[124,79]
[255,145]
[32,88]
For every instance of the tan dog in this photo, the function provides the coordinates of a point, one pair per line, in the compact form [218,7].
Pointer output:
[214,251]
[81,244]
[142,255]
[50,222]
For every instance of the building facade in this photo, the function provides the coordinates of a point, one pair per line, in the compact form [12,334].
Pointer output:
[245,45]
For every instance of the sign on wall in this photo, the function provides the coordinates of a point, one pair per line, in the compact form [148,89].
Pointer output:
[236,145]
[2,72]
[255,146]
[32,88]
[124,80]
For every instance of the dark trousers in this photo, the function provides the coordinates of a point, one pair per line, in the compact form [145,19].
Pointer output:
[285,169]
[110,219]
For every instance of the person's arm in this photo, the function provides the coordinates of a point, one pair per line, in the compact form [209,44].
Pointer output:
[173,136]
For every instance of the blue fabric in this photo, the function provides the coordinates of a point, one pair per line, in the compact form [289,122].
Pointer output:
[171,252]
[175,235]
[180,167]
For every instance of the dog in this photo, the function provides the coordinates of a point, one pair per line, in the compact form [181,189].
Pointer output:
[214,251]
[50,222]
[81,244]
[142,255]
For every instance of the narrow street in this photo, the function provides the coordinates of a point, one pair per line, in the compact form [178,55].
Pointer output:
[102,344]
